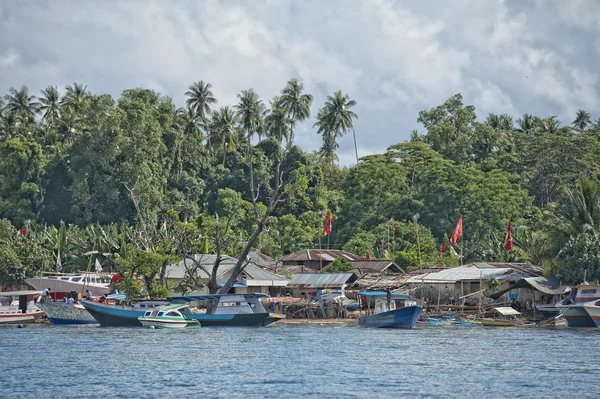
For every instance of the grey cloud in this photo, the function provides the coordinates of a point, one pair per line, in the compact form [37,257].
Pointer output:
[395,58]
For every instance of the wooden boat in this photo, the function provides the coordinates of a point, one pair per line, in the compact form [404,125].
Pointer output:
[168,316]
[66,313]
[210,310]
[392,310]
[582,307]
[21,310]
[96,283]
[505,317]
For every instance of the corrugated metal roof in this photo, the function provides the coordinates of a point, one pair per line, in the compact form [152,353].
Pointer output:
[378,265]
[318,254]
[461,273]
[177,270]
[321,280]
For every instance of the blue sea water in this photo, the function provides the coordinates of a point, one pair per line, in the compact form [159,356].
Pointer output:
[294,361]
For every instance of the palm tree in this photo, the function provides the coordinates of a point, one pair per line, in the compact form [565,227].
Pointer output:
[277,122]
[224,132]
[526,124]
[580,214]
[335,118]
[190,119]
[548,126]
[250,112]
[582,120]
[50,101]
[19,101]
[75,96]
[297,104]
[327,150]
[201,98]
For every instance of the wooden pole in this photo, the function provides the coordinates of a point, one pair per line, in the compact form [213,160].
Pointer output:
[418,242]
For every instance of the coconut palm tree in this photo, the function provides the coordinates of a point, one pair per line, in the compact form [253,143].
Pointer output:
[335,119]
[201,98]
[19,101]
[526,124]
[250,112]
[190,120]
[297,104]
[75,96]
[328,149]
[277,122]
[224,132]
[582,120]
[50,104]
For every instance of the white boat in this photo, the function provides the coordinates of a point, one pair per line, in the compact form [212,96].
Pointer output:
[582,307]
[18,307]
[96,283]
[169,316]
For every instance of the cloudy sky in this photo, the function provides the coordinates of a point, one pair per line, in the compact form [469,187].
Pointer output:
[394,57]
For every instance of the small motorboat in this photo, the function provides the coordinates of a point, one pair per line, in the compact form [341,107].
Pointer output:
[506,317]
[392,310]
[168,316]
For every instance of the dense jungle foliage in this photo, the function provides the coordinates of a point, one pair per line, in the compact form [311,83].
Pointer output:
[139,181]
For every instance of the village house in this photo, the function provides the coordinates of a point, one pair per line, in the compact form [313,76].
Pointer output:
[305,285]
[314,259]
[458,285]
[252,279]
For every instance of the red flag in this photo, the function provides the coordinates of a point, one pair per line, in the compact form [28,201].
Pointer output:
[392,223]
[23,231]
[457,231]
[444,246]
[368,255]
[327,229]
[508,245]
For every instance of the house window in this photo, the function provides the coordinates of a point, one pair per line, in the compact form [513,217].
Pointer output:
[474,287]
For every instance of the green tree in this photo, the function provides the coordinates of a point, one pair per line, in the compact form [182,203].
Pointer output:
[340,265]
[50,104]
[277,121]
[582,120]
[335,119]
[297,104]
[200,97]
[450,129]
[20,102]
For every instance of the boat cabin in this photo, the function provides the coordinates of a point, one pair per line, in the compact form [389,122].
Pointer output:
[381,301]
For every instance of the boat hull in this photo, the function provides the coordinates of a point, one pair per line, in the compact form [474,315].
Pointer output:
[20,318]
[154,322]
[62,313]
[118,316]
[500,323]
[577,316]
[405,317]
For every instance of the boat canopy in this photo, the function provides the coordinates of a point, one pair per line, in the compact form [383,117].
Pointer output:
[507,311]
[19,293]
[384,293]
[201,297]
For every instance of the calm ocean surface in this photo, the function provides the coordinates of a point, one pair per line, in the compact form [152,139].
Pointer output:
[290,361]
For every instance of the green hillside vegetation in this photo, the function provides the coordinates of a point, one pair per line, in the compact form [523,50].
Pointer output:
[139,181]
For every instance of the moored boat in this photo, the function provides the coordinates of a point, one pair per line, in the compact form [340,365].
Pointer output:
[505,317]
[96,283]
[168,316]
[19,307]
[66,313]
[209,309]
[582,307]
[392,310]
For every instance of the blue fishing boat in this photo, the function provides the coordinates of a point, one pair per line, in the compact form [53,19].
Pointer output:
[66,313]
[209,310]
[392,310]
